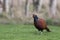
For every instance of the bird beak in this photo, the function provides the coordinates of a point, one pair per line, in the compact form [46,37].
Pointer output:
[33,15]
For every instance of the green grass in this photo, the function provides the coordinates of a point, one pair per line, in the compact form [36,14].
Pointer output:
[27,32]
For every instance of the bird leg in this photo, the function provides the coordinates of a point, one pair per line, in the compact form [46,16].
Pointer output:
[41,31]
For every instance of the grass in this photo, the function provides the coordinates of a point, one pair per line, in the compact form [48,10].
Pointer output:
[27,32]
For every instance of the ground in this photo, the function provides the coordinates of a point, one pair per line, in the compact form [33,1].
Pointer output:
[27,32]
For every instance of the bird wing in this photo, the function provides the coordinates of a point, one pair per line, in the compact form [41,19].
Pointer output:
[42,23]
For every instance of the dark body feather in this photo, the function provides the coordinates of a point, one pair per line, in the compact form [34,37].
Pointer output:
[40,24]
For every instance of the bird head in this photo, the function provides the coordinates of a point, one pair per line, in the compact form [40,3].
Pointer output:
[35,16]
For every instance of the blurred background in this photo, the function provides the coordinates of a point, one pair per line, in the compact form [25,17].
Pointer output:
[21,11]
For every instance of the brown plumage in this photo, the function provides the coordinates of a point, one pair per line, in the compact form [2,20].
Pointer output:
[40,24]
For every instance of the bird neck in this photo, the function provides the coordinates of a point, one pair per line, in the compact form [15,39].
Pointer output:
[35,19]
